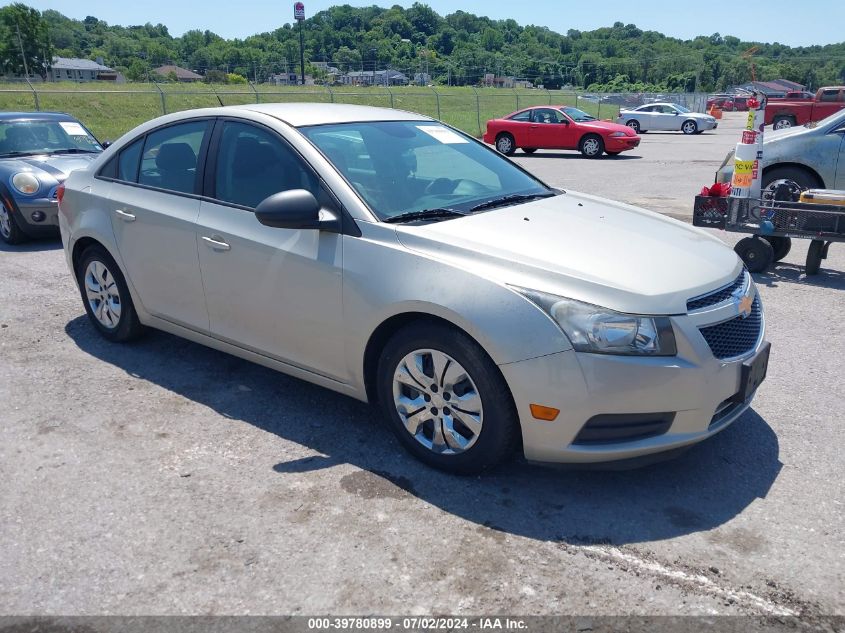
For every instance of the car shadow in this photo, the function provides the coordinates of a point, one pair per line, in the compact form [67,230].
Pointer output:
[703,488]
[32,246]
[784,272]
[553,154]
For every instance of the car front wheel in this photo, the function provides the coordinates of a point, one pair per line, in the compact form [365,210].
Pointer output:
[634,125]
[445,399]
[689,127]
[591,146]
[10,232]
[106,296]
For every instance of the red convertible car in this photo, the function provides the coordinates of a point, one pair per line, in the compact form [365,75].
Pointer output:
[559,127]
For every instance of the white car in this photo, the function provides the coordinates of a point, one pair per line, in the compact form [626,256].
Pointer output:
[666,117]
[396,260]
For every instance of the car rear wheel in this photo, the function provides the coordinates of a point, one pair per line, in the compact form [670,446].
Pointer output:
[815,254]
[634,125]
[757,254]
[505,144]
[782,122]
[445,399]
[106,297]
[689,127]
[10,232]
[591,146]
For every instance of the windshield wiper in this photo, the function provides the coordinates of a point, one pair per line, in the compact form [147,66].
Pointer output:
[17,154]
[425,214]
[74,150]
[511,199]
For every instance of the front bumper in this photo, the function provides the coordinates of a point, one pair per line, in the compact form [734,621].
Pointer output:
[38,217]
[621,143]
[693,390]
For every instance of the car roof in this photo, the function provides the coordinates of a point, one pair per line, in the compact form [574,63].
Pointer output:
[35,116]
[302,114]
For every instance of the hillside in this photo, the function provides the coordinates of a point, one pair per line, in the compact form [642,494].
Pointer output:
[458,49]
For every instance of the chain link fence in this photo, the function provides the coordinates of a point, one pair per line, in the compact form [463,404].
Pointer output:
[110,110]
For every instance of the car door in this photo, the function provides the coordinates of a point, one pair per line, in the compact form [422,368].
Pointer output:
[270,290]
[645,117]
[663,119]
[155,203]
[520,126]
[547,131]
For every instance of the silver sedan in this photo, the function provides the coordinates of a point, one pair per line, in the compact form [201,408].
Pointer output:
[666,117]
[394,259]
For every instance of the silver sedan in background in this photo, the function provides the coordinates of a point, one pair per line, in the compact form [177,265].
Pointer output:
[666,117]
[394,259]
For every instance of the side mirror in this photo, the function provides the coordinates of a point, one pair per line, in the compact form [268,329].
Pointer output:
[295,209]
[105,144]
[565,121]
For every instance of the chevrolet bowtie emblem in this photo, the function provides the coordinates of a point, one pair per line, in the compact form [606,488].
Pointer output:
[744,307]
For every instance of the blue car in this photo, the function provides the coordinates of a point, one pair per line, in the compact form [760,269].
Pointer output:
[37,152]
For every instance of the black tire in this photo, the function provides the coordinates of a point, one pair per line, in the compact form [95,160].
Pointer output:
[689,127]
[529,150]
[802,177]
[498,435]
[128,326]
[505,144]
[780,245]
[634,125]
[815,255]
[783,122]
[589,148]
[757,254]
[10,231]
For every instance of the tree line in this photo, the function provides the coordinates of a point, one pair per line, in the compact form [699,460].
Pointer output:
[458,49]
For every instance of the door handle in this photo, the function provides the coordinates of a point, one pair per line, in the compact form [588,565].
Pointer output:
[217,244]
[125,215]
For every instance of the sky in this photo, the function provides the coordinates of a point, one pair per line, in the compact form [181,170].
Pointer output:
[791,22]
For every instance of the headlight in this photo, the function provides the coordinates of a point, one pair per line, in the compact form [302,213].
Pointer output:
[601,331]
[26,183]
[618,134]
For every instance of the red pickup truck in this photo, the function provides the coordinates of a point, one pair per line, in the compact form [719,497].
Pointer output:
[786,113]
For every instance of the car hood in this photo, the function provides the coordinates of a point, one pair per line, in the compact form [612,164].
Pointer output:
[585,248]
[607,126]
[48,168]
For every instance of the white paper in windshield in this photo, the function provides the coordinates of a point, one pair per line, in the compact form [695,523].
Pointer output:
[73,129]
[442,134]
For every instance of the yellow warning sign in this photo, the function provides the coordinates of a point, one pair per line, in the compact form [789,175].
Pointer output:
[749,125]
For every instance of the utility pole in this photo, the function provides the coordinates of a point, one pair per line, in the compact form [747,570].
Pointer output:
[299,16]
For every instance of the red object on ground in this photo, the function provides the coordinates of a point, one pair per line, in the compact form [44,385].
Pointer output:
[717,190]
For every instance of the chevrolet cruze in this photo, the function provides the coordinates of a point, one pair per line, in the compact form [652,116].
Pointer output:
[389,257]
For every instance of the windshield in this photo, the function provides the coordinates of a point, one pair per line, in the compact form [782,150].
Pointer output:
[680,108]
[21,138]
[399,167]
[579,116]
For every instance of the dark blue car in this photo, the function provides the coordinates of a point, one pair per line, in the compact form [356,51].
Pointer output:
[37,152]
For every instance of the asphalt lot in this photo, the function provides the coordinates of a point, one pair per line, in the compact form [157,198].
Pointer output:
[162,477]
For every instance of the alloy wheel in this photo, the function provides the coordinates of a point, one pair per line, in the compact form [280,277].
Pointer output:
[103,295]
[437,401]
[504,144]
[592,147]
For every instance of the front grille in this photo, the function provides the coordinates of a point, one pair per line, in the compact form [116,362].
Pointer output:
[718,296]
[737,336]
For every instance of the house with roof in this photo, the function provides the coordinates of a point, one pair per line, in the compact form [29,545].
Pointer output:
[182,74]
[82,70]
[377,78]
[774,88]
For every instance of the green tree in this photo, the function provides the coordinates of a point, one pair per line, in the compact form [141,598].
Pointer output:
[23,26]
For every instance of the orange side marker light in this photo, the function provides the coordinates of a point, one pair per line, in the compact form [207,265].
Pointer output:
[541,412]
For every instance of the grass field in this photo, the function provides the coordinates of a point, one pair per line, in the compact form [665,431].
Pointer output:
[110,110]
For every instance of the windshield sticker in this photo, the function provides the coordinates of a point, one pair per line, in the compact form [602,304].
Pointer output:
[73,129]
[442,134]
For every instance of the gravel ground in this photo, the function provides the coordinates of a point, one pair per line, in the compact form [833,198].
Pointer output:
[162,477]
